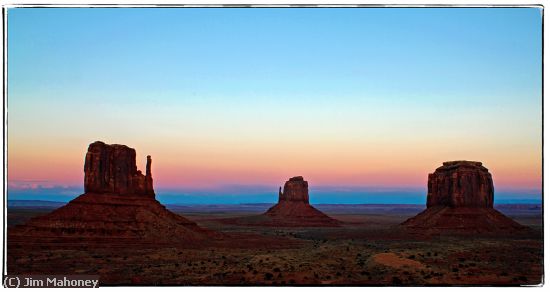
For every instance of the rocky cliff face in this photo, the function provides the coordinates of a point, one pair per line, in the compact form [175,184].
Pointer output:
[293,208]
[117,208]
[295,190]
[460,201]
[460,184]
[112,169]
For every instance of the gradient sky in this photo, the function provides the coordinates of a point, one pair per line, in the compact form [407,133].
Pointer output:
[372,98]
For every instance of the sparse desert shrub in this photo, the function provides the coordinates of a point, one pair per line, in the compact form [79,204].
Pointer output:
[396,281]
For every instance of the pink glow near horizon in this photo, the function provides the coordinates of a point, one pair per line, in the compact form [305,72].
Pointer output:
[66,169]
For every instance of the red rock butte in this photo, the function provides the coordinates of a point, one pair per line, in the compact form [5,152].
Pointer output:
[460,200]
[293,208]
[117,208]
[112,169]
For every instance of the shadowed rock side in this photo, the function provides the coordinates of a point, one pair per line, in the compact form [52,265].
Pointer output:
[112,169]
[292,210]
[460,184]
[118,207]
[460,200]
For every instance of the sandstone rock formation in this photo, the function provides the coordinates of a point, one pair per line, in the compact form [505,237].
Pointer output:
[460,184]
[292,210]
[112,169]
[295,190]
[460,200]
[118,207]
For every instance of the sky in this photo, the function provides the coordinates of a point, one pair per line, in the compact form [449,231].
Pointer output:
[230,102]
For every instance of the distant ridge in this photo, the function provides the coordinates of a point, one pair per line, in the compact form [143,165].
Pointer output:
[34,203]
[527,205]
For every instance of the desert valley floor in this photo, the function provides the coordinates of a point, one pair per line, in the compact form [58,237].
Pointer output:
[368,249]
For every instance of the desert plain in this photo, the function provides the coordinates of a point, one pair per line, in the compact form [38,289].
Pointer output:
[369,248]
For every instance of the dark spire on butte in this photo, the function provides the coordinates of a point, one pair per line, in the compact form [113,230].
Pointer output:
[460,200]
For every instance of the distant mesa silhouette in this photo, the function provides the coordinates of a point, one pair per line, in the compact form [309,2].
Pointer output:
[460,201]
[118,207]
[292,210]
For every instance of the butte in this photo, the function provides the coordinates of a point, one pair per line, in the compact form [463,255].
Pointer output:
[118,207]
[292,210]
[460,201]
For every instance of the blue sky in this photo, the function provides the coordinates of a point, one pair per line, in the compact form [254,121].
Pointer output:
[344,97]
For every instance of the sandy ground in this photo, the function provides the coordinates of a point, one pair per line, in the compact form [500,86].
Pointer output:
[367,250]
